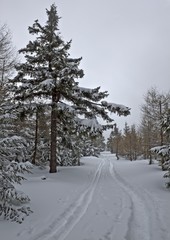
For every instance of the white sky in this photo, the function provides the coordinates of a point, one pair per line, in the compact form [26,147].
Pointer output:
[125,44]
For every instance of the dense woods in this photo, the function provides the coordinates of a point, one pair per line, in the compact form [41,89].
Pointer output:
[46,118]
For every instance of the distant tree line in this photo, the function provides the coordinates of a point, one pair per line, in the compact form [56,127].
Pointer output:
[150,139]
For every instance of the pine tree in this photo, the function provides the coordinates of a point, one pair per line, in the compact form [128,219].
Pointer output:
[11,200]
[49,76]
[91,136]
[164,150]
[13,156]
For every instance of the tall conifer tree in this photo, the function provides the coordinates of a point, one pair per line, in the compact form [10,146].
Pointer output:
[49,76]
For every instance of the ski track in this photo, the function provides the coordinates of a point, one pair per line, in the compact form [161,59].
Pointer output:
[138,222]
[159,231]
[63,225]
[143,210]
[118,223]
[138,217]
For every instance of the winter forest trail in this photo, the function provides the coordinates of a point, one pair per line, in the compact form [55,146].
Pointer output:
[144,221]
[99,204]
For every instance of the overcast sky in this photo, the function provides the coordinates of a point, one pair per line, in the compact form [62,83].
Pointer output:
[125,44]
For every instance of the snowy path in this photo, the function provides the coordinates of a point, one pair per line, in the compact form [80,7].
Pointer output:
[60,229]
[141,225]
[101,200]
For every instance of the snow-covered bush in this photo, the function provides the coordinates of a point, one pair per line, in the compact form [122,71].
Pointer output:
[164,153]
[11,200]
[90,150]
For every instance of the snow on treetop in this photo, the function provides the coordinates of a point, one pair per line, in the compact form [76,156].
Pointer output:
[156,149]
[65,106]
[88,90]
[92,124]
[8,116]
[19,167]
[119,108]
[13,138]
[47,83]
[161,150]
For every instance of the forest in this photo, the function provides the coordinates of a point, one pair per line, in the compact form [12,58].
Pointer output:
[46,118]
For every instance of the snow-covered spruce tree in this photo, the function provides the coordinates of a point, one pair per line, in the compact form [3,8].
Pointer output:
[43,129]
[16,135]
[81,138]
[39,130]
[13,146]
[34,127]
[49,75]
[13,150]
[67,145]
[90,137]
[12,201]
[164,151]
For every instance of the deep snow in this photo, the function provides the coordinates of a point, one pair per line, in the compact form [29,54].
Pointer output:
[103,199]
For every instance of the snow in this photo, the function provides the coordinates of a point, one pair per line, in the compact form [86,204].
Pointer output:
[103,199]
[48,83]
[92,124]
[113,107]
[66,107]
[87,90]
[161,150]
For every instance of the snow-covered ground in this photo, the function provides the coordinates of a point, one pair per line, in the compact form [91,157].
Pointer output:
[103,199]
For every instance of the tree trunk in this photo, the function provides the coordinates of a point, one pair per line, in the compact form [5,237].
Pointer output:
[78,162]
[150,159]
[117,149]
[161,130]
[35,139]
[3,73]
[53,150]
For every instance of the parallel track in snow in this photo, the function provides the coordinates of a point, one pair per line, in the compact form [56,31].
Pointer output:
[136,215]
[60,228]
[138,222]
[145,222]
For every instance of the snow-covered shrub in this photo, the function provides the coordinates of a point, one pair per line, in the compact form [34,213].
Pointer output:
[167,175]
[68,150]
[65,158]
[11,200]
[164,153]
[90,150]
